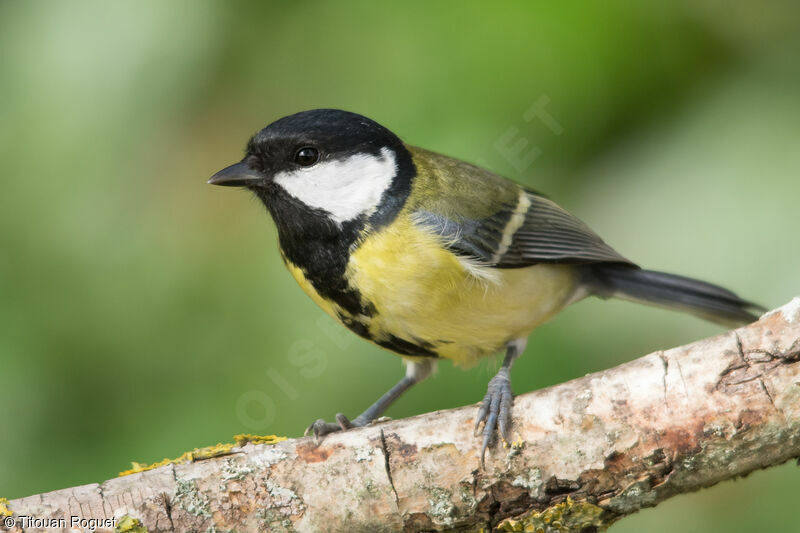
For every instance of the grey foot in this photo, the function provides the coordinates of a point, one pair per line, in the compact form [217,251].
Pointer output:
[495,411]
[320,428]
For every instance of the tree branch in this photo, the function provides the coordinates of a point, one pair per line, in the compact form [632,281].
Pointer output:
[587,452]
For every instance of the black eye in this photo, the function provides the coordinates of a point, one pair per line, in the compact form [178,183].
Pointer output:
[306,156]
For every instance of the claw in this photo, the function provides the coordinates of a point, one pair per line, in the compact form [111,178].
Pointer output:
[320,428]
[482,412]
[491,425]
[504,416]
[343,422]
[495,410]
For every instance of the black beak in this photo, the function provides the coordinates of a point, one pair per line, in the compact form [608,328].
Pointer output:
[238,175]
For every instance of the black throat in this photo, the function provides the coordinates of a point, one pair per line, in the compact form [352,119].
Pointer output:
[310,240]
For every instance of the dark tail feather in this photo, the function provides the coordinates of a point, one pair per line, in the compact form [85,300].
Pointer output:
[705,300]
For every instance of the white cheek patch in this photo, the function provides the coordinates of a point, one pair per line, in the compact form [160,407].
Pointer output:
[345,188]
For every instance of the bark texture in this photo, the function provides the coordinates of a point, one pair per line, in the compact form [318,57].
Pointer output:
[586,453]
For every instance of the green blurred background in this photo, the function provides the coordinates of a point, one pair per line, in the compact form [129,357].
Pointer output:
[144,313]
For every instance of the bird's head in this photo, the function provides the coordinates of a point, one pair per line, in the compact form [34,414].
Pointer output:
[324,166]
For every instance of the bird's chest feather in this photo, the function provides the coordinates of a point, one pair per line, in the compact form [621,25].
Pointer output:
[417,298]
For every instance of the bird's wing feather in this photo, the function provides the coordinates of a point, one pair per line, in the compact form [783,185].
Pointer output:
[510,227]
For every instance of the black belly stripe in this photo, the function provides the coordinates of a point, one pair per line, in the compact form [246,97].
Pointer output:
[356,326]
[418,348]
[404,347]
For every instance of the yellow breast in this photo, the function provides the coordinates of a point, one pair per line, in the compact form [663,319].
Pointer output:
[421,291]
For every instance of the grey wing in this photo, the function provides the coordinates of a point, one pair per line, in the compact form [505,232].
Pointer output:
[535,230]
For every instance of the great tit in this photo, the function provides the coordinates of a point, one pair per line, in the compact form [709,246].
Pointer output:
[434,258]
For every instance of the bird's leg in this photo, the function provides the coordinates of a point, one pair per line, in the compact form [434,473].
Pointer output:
[495,409]
[416,371]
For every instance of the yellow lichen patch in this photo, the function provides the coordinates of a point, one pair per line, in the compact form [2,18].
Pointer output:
[244,438]
[141,467]
[129,524]
[207,452]
[211,451]
[197,454]
[563,517]
[4,509]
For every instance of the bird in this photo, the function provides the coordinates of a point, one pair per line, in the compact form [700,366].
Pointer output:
[434,258]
